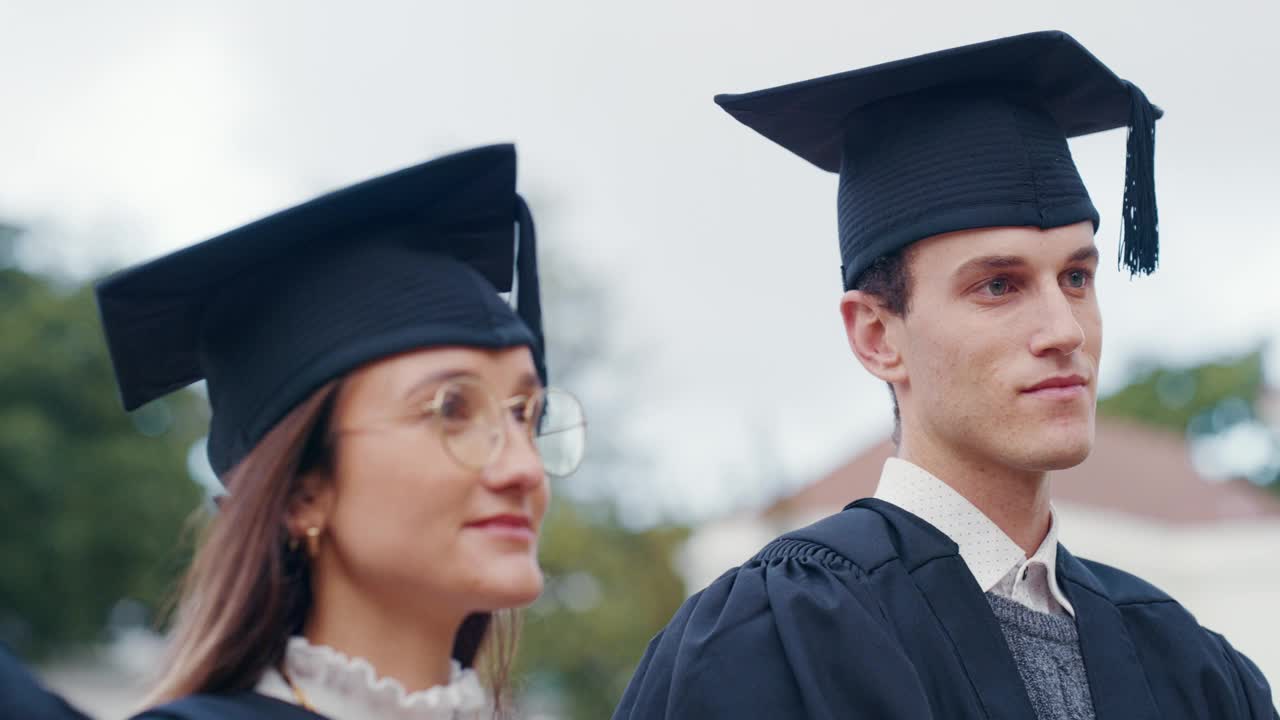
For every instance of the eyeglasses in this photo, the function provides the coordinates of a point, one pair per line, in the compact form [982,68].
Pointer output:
[471,423]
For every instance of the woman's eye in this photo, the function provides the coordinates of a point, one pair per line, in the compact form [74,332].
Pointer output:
[528,411]
[455,406]
[520,413]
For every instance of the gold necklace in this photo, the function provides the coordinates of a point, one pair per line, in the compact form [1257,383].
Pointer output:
[297,691]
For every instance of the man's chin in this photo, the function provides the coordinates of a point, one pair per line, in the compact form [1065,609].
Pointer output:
[1062,452]
[1061,443]
[1064,461]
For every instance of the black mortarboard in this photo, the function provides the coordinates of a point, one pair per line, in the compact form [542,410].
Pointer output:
[969,137]
[271,311]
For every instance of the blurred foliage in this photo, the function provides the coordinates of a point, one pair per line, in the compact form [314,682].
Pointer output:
[1174,397]
[609,587]
[609,590]
[1205,401]
[93,499]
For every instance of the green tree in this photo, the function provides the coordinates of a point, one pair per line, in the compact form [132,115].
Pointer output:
[609,589]
[1172,397]
[1204,401]
[91,499]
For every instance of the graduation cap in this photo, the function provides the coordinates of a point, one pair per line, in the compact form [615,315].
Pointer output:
[269,312]
[964,138]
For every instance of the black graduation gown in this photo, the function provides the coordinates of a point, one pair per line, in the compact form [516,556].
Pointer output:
[246,705]
[22,696]
[871,613]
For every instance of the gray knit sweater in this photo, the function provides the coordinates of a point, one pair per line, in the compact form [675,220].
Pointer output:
[1047,650]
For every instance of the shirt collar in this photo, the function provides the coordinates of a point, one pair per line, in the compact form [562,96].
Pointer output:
[341,686]
[987,551]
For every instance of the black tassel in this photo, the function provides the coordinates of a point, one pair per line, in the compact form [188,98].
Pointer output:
[1140,238]
[528,292]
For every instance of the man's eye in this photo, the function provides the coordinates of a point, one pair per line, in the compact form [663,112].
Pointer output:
[997,287]
[1077,278]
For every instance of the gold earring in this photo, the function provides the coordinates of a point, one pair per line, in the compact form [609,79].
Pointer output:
[313,541]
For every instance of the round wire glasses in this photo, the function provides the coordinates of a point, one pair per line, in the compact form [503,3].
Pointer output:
[472,424]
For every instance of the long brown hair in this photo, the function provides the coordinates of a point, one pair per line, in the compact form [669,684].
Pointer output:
[247,591]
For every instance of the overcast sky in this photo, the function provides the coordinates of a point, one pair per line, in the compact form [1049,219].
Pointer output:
[130,129]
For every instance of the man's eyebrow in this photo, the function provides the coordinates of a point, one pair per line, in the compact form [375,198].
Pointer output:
[1008,262]
[1089,252]
[991,262]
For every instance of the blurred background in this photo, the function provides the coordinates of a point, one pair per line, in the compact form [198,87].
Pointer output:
[691,288]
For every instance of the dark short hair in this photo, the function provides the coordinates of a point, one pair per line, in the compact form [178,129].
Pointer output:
[888,279]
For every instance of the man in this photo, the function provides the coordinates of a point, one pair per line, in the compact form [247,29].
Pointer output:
[967,241]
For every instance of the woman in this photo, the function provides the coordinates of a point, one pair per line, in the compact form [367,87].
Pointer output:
[381,424]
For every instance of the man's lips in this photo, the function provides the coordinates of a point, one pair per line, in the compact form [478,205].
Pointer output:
[1059,387]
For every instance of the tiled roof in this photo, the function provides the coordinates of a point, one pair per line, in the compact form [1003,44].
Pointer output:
[1132,469]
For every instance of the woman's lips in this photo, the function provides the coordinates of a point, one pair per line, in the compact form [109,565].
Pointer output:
[508,526]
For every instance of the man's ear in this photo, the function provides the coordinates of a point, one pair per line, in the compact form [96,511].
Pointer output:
[311,505]
[873,334]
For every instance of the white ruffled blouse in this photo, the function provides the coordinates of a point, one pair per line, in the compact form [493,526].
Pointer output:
[345,688]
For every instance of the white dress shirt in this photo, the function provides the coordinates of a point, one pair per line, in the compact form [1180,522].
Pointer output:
[996,561]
